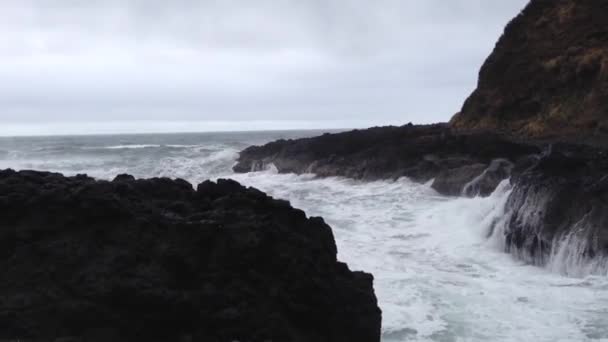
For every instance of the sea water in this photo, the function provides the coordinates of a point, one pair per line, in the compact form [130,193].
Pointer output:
[441,273]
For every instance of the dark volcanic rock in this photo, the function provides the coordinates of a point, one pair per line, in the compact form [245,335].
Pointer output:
[564,195]
[488,180]
[547,76]
[453,181]
[418,152]
[155,260]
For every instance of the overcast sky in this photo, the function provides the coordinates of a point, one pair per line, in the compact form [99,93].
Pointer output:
[354,62]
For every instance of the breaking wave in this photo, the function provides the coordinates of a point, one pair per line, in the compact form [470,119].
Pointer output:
[120,147]
[568,254]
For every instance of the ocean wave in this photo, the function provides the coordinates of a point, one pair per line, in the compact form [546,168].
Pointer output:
[133,146]
[568,255]
[182,146]
[58,149]
[145,146]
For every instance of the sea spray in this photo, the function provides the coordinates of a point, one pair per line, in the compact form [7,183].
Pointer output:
[486,183]
[570,253]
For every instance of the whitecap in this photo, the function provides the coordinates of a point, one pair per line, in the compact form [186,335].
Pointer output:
[133,146]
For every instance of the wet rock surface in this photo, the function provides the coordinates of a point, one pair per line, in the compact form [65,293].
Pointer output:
[563,195]
[422,153]
[156,260]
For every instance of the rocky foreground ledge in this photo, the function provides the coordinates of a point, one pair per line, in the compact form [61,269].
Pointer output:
[156,260]
[560,191]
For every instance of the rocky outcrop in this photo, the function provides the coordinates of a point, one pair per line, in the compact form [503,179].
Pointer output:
[156,260]
[421,153]
[558,209]
[547,76]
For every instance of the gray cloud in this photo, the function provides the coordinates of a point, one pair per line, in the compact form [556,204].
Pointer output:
[387,61]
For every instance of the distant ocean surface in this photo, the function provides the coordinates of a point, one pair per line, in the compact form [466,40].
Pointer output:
[438,275]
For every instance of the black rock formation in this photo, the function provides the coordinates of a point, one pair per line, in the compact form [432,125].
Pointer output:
[421,153]
[562,196]
[156,260]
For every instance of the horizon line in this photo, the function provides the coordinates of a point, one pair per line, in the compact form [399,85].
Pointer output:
[140,127]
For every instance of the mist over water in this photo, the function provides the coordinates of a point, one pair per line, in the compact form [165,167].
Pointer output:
[440,271]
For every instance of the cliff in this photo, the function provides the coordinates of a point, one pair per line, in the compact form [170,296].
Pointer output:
[156,260]
[547,76]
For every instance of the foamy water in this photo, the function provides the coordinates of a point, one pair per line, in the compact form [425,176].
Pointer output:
[440,272]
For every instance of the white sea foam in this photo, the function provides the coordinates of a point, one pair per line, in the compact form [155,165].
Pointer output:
[137,146]
[133,146]
[568,255]
[182,146]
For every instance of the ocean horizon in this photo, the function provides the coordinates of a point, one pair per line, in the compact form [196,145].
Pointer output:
[181,127]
